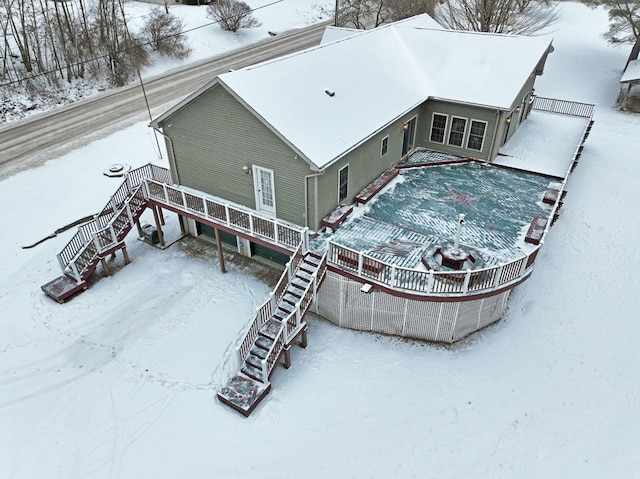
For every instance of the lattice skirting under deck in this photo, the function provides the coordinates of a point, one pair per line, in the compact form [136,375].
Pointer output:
[341,301]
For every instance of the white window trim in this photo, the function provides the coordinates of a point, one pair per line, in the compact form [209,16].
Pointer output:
[340,171]
[464,133]
[446,128]
[382,146]
[484,135]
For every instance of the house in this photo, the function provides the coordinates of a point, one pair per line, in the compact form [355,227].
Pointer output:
[406,177]
[296,136]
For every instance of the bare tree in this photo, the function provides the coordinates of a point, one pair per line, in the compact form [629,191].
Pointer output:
[232,15]
[522,17]
[399,9]
[361,14]
[164,33]
[624,19]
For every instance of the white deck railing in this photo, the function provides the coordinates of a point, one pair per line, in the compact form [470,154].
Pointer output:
[430,283]
[565,107]
[102,232]
[224,213]
[293,323]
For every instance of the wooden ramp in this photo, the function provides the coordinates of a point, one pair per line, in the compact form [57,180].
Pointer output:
[279,323]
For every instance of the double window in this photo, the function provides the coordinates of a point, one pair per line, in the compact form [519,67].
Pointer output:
[458,131]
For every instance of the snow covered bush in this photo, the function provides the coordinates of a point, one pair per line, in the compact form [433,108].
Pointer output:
[163,32]
[232,15]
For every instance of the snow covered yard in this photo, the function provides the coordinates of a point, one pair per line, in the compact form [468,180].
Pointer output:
[121,381]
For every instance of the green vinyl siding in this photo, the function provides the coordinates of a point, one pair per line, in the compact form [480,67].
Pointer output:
[269,254]
[457,114]
[225,237]
[214,137]
[365,164]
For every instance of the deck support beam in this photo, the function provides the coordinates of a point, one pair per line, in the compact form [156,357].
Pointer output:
[219,246]
[183,228]
[125,255]
[138,227]
[157,212]
[287,358]
[303,339]
[105,267]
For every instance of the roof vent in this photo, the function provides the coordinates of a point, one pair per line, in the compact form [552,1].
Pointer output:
[330,93]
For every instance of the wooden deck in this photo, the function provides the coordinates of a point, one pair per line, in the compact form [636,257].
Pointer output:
[63,288]
[243,393]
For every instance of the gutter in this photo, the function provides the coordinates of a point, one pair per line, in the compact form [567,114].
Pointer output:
[172,154]
[493,141]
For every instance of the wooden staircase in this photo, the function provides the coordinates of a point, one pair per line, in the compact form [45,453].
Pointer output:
[102,236]
[279,323]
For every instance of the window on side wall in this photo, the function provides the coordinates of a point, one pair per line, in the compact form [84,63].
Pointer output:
[438,127]
[456,135]
[476,135]
[343,183]
[384,146]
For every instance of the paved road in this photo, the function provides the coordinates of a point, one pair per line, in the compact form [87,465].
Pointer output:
[36,135]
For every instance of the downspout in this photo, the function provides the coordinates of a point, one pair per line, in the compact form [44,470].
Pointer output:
[493,141]
[172,156]
[315,196]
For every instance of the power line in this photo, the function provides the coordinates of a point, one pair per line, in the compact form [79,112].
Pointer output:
[131,47]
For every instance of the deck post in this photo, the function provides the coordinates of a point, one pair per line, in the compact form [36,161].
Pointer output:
[125,255]
[105,267]
[161,214]
[303,338]
[183,230]
[138,227]
[61,262]
[129,213]
[467,278]
[219,246]
[156,217]
[430,282]
[287,358]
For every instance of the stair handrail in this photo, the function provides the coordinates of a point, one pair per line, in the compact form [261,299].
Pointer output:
[265,311]
[86,232]
[294,322]
[271,359]
[104,238]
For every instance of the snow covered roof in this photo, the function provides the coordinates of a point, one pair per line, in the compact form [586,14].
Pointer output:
[331,34]
[632,72]
[328,99]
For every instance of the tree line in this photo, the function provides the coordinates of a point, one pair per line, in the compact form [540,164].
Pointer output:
[522,17]
[51,42]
